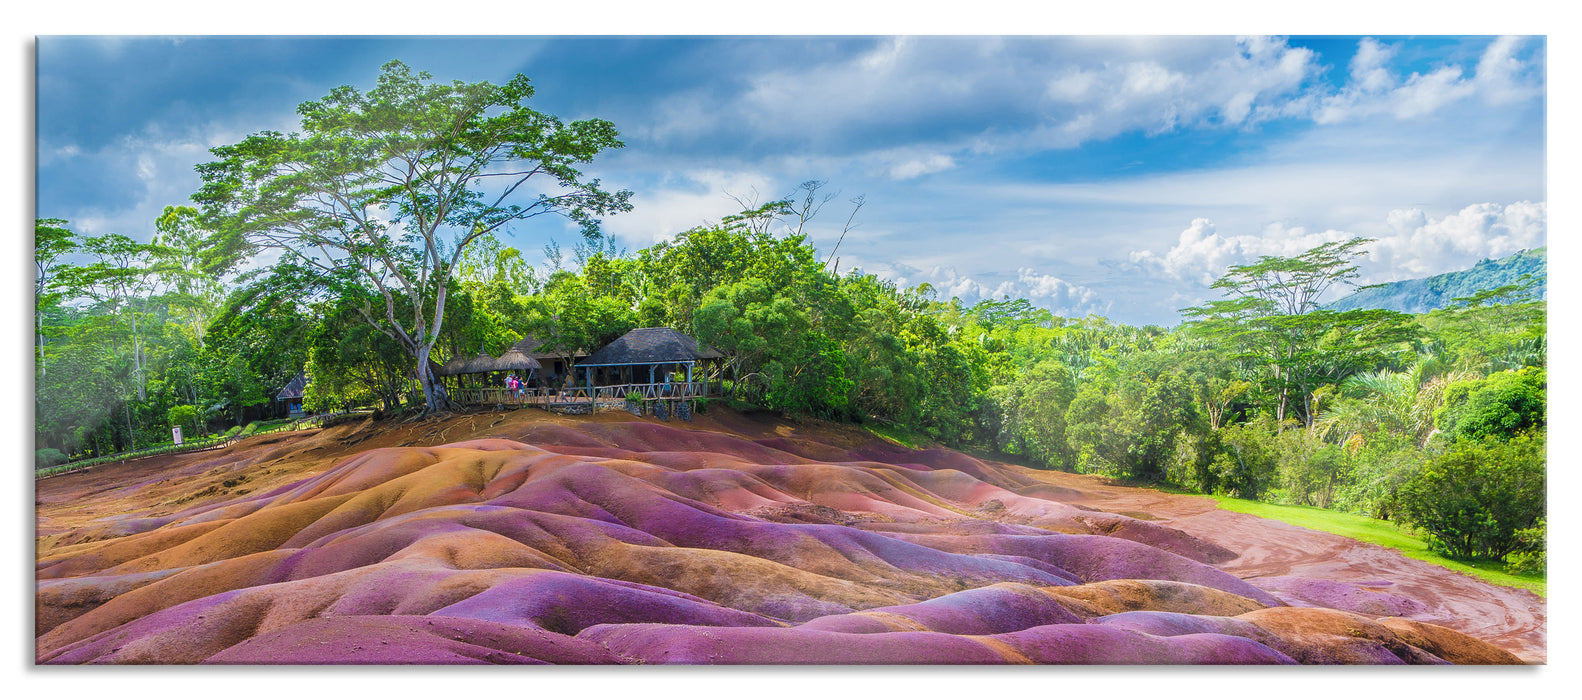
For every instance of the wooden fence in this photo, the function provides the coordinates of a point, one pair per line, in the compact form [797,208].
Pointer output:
[500,396]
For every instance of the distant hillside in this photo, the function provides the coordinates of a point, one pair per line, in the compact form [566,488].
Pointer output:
[1429,293]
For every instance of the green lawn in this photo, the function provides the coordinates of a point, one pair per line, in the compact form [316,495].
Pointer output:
[1380,532]
[899,435]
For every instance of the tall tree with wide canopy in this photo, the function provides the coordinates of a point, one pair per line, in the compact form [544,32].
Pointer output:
[52,242]
[1272,317]
[392,186]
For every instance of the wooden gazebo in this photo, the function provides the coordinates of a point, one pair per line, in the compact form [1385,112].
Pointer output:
[644,357]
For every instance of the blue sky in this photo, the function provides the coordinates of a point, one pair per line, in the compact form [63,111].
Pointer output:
[1112,175]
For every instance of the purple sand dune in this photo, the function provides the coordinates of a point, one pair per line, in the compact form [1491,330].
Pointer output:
[1098,558]
[993,609]
[643,543]
[411,639]
[1340,595]
[568,604]
[676,644]
[1097,644]
[1172,624]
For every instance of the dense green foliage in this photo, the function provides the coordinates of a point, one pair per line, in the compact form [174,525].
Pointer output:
[1474,498]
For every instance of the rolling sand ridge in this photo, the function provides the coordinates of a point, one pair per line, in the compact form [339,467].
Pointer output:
[525,537]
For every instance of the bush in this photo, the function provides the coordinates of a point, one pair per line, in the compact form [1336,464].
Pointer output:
[249,430]
[1245,466]
[1380,463]
[1501,405]
[234,431]
[1473,500]
[182,416]
[1532,558]
[1311,471]
[48,457]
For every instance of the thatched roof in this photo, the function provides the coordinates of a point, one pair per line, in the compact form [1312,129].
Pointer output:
[452,367]
[514,359]
[483,362]
[294,388]
[645,346]
[529,345]
[480,363]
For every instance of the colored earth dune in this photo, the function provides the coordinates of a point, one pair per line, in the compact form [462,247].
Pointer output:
[629,541]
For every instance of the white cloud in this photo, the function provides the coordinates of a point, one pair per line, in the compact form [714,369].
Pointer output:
[1047,291]
[1498,79]
[1417,245]
[1423,246]
[921,166]
[1202,255]
[687,200]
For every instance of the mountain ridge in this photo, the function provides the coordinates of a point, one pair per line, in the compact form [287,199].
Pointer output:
[1426,294]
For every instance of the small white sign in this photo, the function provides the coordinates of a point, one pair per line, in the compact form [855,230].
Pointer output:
[175,433]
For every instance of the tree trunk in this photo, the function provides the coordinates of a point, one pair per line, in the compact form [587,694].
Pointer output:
[131,437]
[435,398]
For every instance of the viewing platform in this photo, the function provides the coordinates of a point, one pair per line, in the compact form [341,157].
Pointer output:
[611,396]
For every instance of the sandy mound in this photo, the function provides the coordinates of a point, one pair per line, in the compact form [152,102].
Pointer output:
[529,539]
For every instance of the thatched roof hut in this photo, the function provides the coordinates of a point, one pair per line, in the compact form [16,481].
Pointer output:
[512,360]
[480,363]
[452,367]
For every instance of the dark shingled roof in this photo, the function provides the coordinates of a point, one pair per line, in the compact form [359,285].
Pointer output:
[293,388]
[650,346]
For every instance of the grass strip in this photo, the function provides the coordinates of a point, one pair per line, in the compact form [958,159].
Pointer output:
[1384,534]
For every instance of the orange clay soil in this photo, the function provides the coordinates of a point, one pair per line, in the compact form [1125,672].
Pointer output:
[526,537]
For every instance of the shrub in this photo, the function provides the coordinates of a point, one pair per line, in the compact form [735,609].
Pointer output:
[1532,558]
[249,430]
[1380,463]
[234,431]
[48,457]
[1245,466]
[1501,405]
[1472,500]
[1310,470]
[182,415]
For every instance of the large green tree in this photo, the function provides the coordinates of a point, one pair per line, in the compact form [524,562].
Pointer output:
[52,242]
[1271,318]
[395,184]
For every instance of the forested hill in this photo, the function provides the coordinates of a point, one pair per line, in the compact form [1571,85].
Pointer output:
[1430,293]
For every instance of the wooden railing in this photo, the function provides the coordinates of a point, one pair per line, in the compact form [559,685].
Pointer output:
[500,396]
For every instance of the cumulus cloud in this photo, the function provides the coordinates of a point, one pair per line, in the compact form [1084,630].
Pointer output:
[686,200]
[1500,77]
[1417,245]
[1048,291]
[1201,254]
[1422,246]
